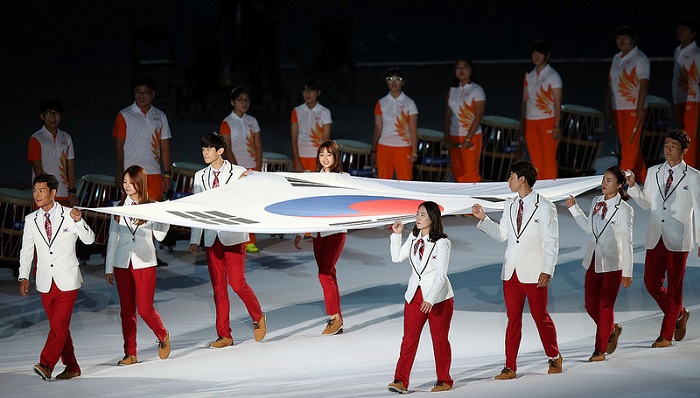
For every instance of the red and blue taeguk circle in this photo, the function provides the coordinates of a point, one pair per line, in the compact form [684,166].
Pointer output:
[344,206]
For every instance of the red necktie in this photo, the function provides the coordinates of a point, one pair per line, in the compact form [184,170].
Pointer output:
[47,226]
[419,247]
[669,181]
[519,219]
[602,207]
[215,184]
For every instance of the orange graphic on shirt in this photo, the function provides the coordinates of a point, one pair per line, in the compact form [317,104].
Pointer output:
[691,76]
[250,143]
[316,135]
[544,100]
[628,86]
[466,115]
[401,126]
[63,168]
[155,144]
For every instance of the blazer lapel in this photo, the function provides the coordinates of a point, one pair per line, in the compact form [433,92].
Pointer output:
[40,228]
[599,234]
[677,182]
[229,173]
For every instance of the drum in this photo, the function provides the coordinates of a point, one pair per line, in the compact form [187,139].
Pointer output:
[272,162]
[656,124]
[502,145]
[14,206]
[433,161]
[97,190]
[183,179]
[581,140]
[356,158]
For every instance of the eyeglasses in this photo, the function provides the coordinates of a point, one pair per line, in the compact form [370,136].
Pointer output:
[242,100]
[394,79]
[52,113]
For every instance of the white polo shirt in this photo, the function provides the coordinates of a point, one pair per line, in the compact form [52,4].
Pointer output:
[311,122]
[462,102]
[625,74]
[142,133]
[687,61]
[53,154]
[242,131]
[540,96]
[395,113]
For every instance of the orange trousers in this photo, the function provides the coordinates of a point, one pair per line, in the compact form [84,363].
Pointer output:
[632,157]
[392,159]
[687,118]
[542,148]
[464,161]
[309,164]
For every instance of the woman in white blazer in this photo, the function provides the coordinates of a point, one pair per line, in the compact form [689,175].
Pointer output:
[608,259]
[429,295]
[328,246]
[131,262]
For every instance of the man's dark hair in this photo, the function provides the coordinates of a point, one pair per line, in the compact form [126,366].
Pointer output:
[145,81]
[394,72]
[53,104]
[49,179]
[680,136]
[213,140]
[525,169]
[690,23]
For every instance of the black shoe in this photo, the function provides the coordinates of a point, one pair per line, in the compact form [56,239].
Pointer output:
[161,263]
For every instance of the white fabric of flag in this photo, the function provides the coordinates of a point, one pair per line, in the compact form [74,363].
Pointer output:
[318,202]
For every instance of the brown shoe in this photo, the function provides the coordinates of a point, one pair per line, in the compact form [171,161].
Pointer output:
[398,386]
[127,360]
[612,341]
[260,329]
[335,326]
[67,374]
[440,386]
[43,371]
[682,322]
[661,343]
[506,374]
[221,342]
[597,357]
[555,365]
[164,347]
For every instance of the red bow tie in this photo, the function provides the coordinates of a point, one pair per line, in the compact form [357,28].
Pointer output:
[602,207]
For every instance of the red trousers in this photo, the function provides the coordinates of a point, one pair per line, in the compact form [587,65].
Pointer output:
[227,267]
[515,293]
[392,159]
[542,148]
[662,265]
[632,157]
[439,319]
[600,296]
[136,288]
[327,252]
[465,162]
[58,306]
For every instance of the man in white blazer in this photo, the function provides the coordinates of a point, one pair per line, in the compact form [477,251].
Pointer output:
[225,250]
[530,225]
[51,232]
[672,192]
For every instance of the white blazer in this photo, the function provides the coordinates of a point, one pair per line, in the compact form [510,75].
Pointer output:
[56,260]
[671,216]
[131,243]
[536,248]
[431,273]
[611,239]
[202,182]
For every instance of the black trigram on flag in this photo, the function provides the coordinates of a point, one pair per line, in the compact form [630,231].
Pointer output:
[213,217]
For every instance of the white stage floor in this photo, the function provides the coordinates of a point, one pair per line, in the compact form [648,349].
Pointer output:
[294,360]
